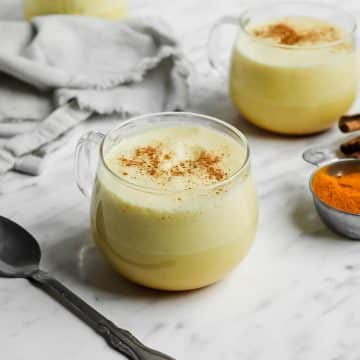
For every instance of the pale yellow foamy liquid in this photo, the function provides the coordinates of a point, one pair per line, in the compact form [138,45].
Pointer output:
[297,89]
[108,9]
[184,233]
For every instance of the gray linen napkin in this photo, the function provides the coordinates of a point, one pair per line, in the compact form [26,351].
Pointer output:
[56,71]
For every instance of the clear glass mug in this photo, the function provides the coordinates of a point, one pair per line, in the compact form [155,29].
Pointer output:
[146,235]
[289,89]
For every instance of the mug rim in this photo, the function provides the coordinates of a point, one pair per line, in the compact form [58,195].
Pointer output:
[240,138]
[335,8]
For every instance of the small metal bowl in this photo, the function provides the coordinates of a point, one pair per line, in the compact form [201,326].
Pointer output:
[341,222]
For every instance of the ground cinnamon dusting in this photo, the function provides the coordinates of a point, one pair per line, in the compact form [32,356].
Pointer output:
[286,34]
[150,160]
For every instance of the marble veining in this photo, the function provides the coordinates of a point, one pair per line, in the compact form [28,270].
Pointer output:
[296,296]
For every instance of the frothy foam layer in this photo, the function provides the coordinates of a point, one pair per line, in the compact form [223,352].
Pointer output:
[297,31]
[176,158]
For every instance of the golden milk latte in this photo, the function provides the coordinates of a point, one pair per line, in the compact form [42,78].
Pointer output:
[293,75]
[168,211]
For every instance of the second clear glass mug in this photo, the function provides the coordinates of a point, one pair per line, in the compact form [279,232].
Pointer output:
[289,89]
[145,235]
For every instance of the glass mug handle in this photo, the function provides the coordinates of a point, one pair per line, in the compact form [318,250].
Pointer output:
[86,159]
[319,156]
[213,48]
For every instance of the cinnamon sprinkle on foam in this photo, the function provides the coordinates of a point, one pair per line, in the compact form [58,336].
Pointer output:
[289,34]
[156,163]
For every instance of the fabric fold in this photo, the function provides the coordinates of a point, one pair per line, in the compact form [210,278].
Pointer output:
[59,70]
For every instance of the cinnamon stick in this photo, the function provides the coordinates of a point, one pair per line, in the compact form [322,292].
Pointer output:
[349,123]
[350,147]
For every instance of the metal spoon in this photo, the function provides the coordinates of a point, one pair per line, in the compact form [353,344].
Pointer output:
[20,256]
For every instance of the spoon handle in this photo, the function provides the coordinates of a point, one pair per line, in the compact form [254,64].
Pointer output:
[119,339]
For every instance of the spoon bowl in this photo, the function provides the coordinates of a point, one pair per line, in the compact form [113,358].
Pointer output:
[20,253]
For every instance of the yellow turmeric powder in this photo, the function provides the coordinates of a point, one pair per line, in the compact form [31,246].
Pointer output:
[339,191]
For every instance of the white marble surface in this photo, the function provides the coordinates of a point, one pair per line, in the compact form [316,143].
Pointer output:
[296,296]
